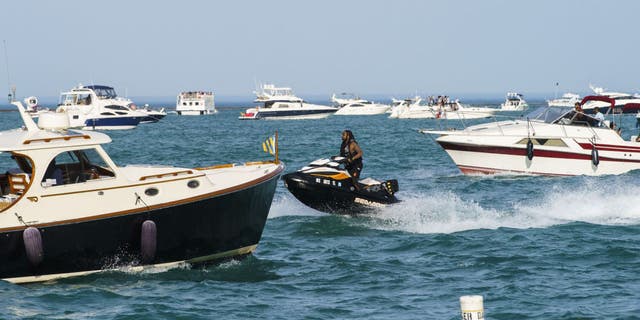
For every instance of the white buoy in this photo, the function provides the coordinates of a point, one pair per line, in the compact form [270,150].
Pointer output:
[472,308]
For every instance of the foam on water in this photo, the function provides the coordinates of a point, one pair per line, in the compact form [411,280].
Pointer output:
[447,212]
[288,205]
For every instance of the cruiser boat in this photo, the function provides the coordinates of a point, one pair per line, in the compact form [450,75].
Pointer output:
[622,100]
[153,115]
[281,103]
[195,103]
[326,186]
[98,108]
[69,210]
[514,102]
[548,141]
[567,100]
[446,110]
[352,106]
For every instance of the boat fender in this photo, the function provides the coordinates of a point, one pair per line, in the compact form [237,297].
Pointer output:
[529,149]
[148,241]
[33,245]
[595,158]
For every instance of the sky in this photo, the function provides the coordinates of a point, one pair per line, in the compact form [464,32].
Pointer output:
[370,47]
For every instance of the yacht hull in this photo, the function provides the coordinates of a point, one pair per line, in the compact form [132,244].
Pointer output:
[211,229]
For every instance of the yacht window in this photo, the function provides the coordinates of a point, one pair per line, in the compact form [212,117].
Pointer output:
[105,93]
[107,113]
[197,103]
[84,99]
[116,107]
[77,166]
[68,99]
[283,105]
[357,105]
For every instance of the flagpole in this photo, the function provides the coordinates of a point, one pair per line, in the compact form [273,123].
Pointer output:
[277,146]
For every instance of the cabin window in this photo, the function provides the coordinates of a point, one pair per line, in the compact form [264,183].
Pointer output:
[544,142]
[16,178]
[84,99]
[197,103]
[283,106]
[116,107]
[76,166]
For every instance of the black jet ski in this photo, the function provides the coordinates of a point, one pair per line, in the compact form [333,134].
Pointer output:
[325,185]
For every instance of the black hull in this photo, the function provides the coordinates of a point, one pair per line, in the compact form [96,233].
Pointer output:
[216,228]
[334,198]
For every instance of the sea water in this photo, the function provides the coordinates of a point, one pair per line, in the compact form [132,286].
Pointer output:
[533,247]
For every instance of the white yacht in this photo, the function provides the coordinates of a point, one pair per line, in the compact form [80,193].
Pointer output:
[514,102]
[281,103]
[195,103]
[98,107]
[567,100]
[354,105]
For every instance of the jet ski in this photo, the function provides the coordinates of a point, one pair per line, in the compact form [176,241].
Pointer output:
[326,185]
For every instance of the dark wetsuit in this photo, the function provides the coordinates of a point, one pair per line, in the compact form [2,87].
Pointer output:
[355,167]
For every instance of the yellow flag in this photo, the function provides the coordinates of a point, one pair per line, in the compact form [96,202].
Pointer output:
[269,145]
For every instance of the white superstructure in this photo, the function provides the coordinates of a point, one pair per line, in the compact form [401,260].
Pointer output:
[567,100]
[354,105]
[195,103]
[514,102]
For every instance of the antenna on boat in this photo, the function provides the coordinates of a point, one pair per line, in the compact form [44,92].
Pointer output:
[12,95]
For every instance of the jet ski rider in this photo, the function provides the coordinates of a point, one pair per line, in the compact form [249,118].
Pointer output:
[353,156]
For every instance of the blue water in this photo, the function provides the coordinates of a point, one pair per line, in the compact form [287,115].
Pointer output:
[534,247]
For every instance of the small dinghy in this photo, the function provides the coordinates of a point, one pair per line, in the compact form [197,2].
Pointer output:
[325,185]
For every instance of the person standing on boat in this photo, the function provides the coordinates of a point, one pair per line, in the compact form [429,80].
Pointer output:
[599,116]
[353,154]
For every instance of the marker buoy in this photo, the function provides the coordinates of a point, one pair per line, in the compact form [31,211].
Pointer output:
[529,149]
[33,245]
[595,158]
[148,241]
[472,308]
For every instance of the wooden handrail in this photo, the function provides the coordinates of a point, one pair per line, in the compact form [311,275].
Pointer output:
[158,176]
[66,138]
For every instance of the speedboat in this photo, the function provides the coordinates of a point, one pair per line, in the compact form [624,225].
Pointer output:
[98,107]
[281,103]
[153,115]
[326,186]
[548,141]
[623,101]
[514,102]
[444,109]
[195,103]
[355,106]
[411,108]
[567,100]
[69,210]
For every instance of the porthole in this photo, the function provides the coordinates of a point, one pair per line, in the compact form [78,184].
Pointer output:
[151,192]
[193,184]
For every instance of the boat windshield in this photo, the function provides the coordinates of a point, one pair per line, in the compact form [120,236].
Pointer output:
[548,115]
[105,93]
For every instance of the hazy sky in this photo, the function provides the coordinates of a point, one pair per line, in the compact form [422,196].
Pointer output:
[158,48]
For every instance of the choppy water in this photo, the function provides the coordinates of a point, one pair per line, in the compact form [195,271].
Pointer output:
[534,247]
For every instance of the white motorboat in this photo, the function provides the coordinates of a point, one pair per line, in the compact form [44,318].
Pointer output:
[411,108]
[514,102]
[444,109]
[69,210]
[98,107]
[624,102]
[355,106]
[153,115]
[567,100]
[195,103]
[281,103]
[549,141]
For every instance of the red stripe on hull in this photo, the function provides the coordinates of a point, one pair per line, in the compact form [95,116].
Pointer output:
[523,152]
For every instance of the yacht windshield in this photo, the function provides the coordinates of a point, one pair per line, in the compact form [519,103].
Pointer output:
[546,114]
[105,93]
